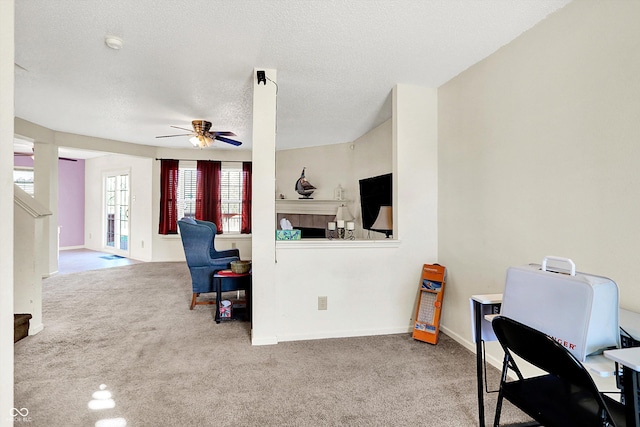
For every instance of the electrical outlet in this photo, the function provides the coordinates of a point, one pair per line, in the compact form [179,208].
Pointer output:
[142,244]
[322,303]
[233,245]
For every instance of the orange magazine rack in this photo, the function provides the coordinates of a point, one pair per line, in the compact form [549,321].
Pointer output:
[431,290]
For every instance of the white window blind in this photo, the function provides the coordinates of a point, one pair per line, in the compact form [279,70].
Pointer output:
[187,192]
[231,195]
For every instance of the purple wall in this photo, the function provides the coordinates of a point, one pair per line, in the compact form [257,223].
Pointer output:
[23,161]
[70,199]
[71,202]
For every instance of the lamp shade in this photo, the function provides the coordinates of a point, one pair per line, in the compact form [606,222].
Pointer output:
[384,221]
[201,141]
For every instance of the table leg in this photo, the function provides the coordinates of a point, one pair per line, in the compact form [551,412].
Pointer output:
[247,293]
[218,287]
[477,308]
[632,407]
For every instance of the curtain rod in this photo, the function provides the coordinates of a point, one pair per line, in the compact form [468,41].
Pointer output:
[195,160]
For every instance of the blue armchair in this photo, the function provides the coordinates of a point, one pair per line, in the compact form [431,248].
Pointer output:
[202,258]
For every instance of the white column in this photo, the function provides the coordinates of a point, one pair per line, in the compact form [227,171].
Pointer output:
[263,249]
[6,214]
[45,171]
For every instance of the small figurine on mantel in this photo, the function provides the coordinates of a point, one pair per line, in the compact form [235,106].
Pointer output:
[304,187]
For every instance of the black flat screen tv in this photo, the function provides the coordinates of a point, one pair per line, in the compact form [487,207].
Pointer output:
[374,192]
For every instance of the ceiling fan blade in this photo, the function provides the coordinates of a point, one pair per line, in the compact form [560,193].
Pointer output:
[178,127]
[228,141]
[68,159]
[223,133]
[171,136]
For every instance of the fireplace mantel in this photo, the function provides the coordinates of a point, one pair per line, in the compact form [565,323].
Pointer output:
[309,206]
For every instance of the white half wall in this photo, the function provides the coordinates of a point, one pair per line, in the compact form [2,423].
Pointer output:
[371,286]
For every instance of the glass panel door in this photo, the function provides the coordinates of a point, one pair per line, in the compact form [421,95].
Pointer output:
[117,212]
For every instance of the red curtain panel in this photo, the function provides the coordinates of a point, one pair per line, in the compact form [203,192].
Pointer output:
[168,197]
[245,227]
[208,201]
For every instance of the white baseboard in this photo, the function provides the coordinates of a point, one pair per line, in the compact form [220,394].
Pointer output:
[263,340]
[497,363]
[70,248]
[319,335]
[34,329]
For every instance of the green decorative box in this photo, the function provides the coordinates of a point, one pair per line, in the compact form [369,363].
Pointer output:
[288,234]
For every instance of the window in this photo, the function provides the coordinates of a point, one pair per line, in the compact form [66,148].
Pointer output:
[230,193]
[23,178]
[187,192]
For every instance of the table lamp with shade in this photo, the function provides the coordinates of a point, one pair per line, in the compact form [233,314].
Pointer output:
[384,221]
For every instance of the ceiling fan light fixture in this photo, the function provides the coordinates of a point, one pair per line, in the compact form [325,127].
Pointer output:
[195,141]
[201,141]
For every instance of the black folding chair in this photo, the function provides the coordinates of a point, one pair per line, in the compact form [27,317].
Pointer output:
[565,396]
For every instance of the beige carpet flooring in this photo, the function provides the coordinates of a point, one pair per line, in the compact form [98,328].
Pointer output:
[128,331]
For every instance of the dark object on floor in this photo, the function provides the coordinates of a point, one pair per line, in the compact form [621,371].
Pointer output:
[565,396]
[20,326]
[112,257]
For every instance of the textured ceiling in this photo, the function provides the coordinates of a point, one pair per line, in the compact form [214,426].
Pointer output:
[336,61]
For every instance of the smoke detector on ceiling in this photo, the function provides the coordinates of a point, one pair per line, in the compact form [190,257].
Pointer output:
[113,42]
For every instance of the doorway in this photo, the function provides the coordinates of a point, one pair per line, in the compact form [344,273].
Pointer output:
[116,212]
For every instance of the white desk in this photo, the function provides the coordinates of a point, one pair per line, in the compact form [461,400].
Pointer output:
[485,307]
[629,358]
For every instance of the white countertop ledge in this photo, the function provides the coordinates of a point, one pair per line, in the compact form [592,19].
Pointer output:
[331,244]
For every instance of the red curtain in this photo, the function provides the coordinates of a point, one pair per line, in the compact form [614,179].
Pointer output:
[245,227]
[208,201]
[168,197]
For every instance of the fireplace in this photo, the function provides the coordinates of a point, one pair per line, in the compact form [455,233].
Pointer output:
[310,216]
[311,225]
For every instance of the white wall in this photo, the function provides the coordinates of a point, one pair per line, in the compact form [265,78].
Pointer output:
[6,215]
[141,198]
[539,156]
[371,286]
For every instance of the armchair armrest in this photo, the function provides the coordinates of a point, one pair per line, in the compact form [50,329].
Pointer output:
[228,253]
[222,263]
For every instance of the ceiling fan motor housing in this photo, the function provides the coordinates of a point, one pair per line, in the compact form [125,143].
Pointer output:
[201,126]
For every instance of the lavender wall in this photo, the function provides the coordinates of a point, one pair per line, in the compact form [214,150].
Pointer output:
[71,202]
[25,161]
[70,199]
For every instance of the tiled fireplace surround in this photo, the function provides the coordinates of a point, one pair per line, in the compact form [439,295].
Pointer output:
[307,214]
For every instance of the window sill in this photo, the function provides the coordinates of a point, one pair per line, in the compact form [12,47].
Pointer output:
[234,236]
